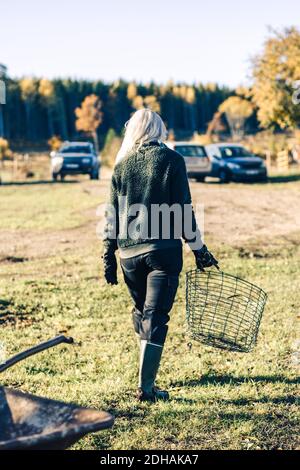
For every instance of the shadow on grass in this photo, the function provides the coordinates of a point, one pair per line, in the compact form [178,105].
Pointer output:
[280,400]
[270,429]
[37,182]
[5,303]
[284,178]
[229,379]
[289,178]
[14,314]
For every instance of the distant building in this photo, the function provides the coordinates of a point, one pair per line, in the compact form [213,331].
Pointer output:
[3,70]
[2,93]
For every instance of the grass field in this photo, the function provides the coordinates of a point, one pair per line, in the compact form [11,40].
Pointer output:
[51,283]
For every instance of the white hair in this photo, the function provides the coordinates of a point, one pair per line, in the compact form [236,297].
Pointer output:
[143,126]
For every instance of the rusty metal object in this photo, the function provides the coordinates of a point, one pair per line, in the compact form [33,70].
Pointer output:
[32,422]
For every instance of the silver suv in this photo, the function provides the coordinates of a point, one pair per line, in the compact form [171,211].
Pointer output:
[196,159]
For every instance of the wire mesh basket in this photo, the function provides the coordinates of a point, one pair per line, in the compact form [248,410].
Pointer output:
[223,310]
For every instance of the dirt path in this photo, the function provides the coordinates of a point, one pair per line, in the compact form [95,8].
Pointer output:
[237,215]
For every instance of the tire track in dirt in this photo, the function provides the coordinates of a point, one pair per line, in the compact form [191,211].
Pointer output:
[235,215]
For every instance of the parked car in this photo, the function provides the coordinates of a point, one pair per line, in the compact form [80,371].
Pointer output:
[232,162]
[75,158]
[198,164]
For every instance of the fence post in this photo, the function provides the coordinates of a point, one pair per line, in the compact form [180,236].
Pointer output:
[283,160]
[268,159]
[15,167]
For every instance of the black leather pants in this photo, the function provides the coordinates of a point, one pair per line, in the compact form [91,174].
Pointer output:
[152,280]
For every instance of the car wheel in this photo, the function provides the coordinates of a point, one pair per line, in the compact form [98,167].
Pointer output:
[224,176]
[94,175]
[265,179]
[200,179]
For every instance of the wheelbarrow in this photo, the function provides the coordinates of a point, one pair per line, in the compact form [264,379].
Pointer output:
[34,423]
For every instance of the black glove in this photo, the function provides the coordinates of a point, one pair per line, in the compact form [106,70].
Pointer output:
[110,267]
[204,259]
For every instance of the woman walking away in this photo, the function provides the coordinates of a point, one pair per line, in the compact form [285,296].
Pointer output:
[149,213]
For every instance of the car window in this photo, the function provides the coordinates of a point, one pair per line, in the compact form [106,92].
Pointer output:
[76,149]
[190,150]
[234,151]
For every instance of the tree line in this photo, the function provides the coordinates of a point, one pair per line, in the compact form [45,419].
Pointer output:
[37,109]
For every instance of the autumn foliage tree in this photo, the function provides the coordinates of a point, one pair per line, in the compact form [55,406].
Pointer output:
[4,150]
[216,125]
[89,117]
[139,102]
[275,73]
[55,142]
[236,110]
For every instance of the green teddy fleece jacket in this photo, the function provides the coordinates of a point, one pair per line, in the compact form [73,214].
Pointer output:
[151,176]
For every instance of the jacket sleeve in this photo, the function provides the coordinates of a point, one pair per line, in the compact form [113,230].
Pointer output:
[180,194]
[111,228]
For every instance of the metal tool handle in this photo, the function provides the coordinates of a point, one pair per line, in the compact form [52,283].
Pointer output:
[34,350]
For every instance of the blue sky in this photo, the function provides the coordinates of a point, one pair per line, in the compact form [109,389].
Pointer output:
[183,40]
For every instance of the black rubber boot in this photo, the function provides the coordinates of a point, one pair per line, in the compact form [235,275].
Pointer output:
[149,364]
[154,396]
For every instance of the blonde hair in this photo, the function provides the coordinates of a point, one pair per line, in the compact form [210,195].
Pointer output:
[143,126]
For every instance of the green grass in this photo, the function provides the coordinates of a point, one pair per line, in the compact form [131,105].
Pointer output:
[47,206]
[220,400]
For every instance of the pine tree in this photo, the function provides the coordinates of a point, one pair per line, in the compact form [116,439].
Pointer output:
[29,92]
[46,91]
